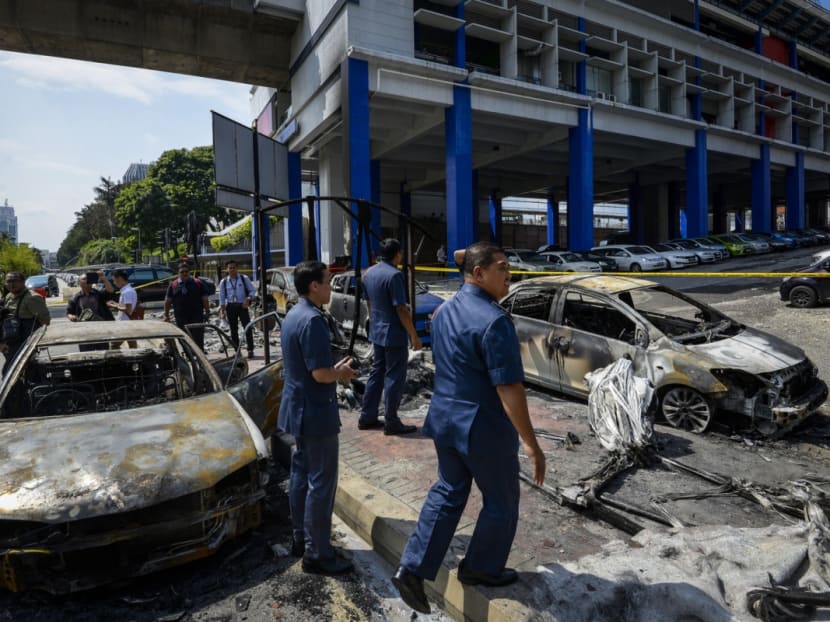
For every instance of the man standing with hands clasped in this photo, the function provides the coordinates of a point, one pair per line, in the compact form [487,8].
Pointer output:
[235,292]
[477,414]
[390,327]
[310,413]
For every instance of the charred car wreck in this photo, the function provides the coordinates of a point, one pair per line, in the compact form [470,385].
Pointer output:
[127,455]
[699,360]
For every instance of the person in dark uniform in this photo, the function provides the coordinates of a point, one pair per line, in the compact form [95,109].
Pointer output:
[191,305]
[477,414]
[390,330]
[310,413]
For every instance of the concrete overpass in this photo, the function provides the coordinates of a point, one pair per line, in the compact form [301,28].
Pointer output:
[245,41]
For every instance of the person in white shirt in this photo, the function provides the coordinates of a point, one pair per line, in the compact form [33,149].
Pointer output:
[128,299]
[235,293]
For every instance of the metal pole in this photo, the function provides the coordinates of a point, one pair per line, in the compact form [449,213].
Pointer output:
[260,218]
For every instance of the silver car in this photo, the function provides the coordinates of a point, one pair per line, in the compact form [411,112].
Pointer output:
[632,257]
[699,360]
[758,245]
[706,254]
[565,261]
[676,258]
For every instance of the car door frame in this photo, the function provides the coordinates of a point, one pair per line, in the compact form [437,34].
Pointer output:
[578,351]
[535,339]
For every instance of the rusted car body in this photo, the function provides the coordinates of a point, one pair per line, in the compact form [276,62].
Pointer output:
[123,453]
[699,360]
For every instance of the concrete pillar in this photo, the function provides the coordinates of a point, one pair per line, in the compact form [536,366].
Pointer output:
[293,230]
[718,211]
[796,210]
[762,191]
[636,218]
[581,182]
[354,75]
[697,187]
[672,212]
[653,212]
[461,228]
[332,222]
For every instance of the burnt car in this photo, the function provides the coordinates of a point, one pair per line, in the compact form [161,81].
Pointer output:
[700,361]
[810,289]
[281,287]
[124,452]
[341,306]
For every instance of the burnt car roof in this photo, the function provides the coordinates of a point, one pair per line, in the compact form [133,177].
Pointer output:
[73,332]
[599,282]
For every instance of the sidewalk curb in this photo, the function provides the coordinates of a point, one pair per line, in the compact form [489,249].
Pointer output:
[385,523]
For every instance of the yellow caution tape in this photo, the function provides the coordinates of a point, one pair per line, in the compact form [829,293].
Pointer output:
[775,275]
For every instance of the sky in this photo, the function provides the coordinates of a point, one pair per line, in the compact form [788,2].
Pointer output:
[64,124]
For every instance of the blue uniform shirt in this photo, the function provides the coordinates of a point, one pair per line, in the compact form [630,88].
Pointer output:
[308,407]
[385,288]
[475,349]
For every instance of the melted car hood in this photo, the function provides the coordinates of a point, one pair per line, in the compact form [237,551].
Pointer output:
[60,469]
[751,350]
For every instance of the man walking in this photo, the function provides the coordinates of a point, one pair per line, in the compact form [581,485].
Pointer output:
[189,299]
[310,413]
[235,293]
[477,414]
[21,314]
[390,323]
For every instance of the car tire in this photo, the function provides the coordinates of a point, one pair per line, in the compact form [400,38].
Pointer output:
[635,267]
[685,408]
[803,297]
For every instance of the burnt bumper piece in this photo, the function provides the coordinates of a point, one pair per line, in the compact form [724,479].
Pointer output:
[73,557]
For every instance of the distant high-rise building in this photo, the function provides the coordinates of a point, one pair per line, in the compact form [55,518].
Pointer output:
[8,221]
[135,172]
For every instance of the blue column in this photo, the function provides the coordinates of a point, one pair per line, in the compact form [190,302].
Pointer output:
[553,218]
[295,252]
[796,216]
[355,74]
[762,192]
[581,182]
[495,217]
[697,187]
[376,216]
[317,217]
[461,228]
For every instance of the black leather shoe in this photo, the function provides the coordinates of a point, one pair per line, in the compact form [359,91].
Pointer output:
[471,577]
[400,428]
[331,566]
[411,588]
[369,425]
[297,547]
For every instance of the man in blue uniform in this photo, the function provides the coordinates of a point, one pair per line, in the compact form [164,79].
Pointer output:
[309,412]
[477,414]
[390,322]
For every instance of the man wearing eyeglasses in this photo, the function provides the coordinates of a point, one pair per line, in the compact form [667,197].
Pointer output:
[189,299]
[22,313]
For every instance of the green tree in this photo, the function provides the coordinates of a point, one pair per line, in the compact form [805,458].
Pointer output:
[95,221]
[20,257]
[105,250]
[143,204]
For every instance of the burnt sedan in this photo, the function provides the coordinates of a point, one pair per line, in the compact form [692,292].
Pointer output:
[699,360]
[125,453]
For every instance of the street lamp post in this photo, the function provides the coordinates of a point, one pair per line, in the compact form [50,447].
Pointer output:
[139,243]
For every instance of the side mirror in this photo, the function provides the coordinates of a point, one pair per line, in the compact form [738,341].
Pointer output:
[641,337]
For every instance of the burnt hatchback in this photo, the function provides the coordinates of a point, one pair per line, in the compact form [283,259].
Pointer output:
[124,452]
[700,361]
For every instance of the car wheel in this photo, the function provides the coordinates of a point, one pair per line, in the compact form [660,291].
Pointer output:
[685,408]
[635,267]
[803,297]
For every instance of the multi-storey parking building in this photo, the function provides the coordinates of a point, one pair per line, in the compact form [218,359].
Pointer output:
[685,110]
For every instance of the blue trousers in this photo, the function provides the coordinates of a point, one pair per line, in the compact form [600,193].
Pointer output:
[388,375]
[498,479]
[311,492]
